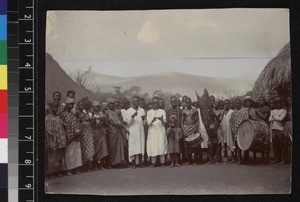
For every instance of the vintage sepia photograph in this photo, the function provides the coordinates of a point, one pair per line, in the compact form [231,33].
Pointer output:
[168,102]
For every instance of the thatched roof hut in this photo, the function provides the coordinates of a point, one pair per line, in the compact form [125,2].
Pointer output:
[58,80]
[275,79]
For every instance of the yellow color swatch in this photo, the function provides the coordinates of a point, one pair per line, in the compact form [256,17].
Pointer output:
[3,77]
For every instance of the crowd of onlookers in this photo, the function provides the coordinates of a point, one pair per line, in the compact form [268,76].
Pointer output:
[88,135]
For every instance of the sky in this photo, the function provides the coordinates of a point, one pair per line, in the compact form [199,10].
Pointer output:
[209,42]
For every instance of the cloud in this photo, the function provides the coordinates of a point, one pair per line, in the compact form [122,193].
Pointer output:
[148,33]
[171,34]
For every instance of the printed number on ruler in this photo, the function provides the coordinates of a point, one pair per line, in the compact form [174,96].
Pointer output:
[27,16]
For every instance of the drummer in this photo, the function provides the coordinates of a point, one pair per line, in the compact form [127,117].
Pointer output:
[190,126]
[238,116]
[249,105]
[263,113]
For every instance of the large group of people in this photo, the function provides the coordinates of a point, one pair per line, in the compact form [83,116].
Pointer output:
[89,135]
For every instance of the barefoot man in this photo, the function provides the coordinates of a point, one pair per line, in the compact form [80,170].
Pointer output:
[190,126]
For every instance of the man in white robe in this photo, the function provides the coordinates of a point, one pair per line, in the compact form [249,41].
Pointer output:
[157,140]
[227,138]
[124,105]
[136,142]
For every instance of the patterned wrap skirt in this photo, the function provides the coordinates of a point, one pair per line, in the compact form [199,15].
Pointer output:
[87,144]
[100,142]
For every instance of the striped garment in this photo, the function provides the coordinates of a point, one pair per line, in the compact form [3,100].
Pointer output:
[237,117]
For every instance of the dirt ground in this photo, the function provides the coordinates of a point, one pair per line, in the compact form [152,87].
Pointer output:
[224,178]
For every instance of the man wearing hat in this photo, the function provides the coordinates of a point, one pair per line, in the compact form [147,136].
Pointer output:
[72,128]
[55,142]
[276,125]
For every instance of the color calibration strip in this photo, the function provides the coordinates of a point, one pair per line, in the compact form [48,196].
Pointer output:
[3,103]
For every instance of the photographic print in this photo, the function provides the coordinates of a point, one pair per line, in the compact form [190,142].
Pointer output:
[168,102]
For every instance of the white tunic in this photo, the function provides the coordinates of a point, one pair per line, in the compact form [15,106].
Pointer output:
[226,130]
[125,117]
[202,131]
[157,140]
[136,140]
[73,156]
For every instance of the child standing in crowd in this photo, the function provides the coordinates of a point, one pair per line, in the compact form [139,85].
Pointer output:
[174,133]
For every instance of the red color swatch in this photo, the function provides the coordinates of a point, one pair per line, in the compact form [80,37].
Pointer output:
[3,102]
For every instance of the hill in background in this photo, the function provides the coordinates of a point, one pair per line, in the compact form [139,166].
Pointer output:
[62,80]
[173,82]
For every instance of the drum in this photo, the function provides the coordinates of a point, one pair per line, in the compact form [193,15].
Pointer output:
[253,135]
[194,140]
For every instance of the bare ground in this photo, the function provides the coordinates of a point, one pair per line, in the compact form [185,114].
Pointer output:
[224,178]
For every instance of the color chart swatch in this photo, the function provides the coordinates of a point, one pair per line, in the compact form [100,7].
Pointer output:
[3,99]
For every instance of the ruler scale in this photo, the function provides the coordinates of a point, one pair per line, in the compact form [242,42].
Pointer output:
[13,97]
[26,100]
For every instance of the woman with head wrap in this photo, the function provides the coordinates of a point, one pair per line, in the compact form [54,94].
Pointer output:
[55,141]
[87,142]
[99,129]
[72,128]
[115,138]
